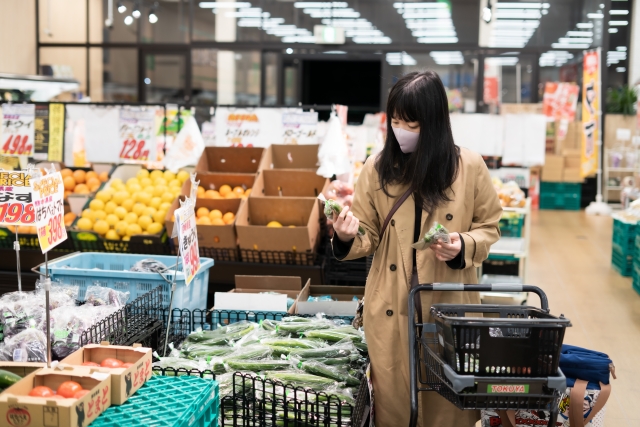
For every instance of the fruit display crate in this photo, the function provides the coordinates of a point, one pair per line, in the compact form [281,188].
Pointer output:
[113,271]
[636,275]
[179,401]
[30,241]
[621,262]
[624,236]
[511,224]
[560,196]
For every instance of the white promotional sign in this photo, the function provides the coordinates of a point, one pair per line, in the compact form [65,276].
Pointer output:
[18,129]
[187,148]
[136,139]
[300,128]
[188,240]
[48,200]
[250,127]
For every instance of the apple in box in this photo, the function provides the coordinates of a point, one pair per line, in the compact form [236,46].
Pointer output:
[27,404]
[130,367]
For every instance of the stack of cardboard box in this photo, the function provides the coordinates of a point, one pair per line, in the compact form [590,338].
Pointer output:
[563,165]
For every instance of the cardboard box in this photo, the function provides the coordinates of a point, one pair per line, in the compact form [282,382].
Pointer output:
[571,141]
[253,217]
[230,160]
[248,294]
[288,183]
[572,162]
[211,236]
[20,409]
[553,167]
[22,368]
[291,157]
[343,306]
[213,181]
[124,381]
[572,175]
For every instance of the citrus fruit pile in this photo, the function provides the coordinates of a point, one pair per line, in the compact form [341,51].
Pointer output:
[81,182]
[138,206]
[213,217]
[224,192]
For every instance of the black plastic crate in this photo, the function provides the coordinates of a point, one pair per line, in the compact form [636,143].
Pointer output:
[345,273]
[520,341]
[259,402]
[280,257]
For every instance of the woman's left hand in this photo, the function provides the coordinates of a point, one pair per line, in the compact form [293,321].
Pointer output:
[447,251]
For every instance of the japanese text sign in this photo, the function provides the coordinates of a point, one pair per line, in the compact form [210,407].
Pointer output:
[16,206]
[48,201]
[136,135]
[188,240]
[300,128]
[18,129]
[590,112]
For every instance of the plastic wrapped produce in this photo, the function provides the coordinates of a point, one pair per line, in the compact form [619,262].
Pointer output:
[98,295]
[224,334]
[178,363]
[341,349]
[293,342]
[297,328]
[331,206]
[203,351]
[301,379]
[29,345]
[335,373]
[254,337]
[149,265]
[435,233]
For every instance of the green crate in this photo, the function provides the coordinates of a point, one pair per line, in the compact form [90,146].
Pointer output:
[624,235]
[560,196]
[622,263]
[183,401]
[512,227]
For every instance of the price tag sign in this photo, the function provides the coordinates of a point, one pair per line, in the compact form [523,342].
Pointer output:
[16,205]
[300,128]
[137,142]
[188,240]
[48,200]
[18,126]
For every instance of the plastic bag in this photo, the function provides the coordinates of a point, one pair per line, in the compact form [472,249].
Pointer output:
[98,295]
[320,298]
[437,232]
[149,265]
[29,345]
[331,207]
[58,287]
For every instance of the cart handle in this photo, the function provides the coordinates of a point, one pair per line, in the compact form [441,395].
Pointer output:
[544,303]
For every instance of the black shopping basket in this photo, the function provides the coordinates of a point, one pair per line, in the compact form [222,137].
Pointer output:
[496,357]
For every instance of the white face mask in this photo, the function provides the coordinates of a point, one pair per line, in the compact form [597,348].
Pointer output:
[407,140]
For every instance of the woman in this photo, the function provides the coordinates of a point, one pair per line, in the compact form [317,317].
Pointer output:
[450,185]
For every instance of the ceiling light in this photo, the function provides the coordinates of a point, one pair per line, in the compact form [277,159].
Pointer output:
[371,40]
[128,20]
[621,69]
[153,18]
[618,23]
[335,52]
[136,10]
[518,14]
[584,25]
[348,23]
[569,46]
[223,4]
[428,14]
[432,5]
[487,12]
[431,33]
[289,51]
[438,40]
[447,58]
[400,58]
[319,5]
[575,40]
[523,5]
[412,25]
[618,12]
[580,33]
[121,7]
[517,24]
[613,30]
[621,48]
[339,13]
[596,15]
[365,32]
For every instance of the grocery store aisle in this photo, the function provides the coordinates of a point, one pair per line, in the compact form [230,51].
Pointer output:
[570,261]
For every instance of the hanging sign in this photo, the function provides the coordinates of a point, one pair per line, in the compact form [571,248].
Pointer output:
[248,127]
[48,200]
[187,147]
[56,132]
[136,135]
[300,128]
[18,129]
[16,206]
[590,112]
[188,240]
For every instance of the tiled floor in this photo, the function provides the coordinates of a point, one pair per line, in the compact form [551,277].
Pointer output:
[570,261]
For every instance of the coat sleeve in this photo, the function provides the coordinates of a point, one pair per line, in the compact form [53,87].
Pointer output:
[364,209]
[484,230]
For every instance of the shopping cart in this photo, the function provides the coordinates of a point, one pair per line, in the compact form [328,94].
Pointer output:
[494,357]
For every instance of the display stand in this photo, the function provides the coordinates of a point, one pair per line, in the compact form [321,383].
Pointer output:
[16,247]
[512,248]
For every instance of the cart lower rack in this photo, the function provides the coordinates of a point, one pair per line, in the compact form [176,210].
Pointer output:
[500,358]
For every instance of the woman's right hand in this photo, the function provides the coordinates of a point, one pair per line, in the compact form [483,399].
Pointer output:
[345,225]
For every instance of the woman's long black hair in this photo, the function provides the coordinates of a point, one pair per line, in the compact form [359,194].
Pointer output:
[433,167]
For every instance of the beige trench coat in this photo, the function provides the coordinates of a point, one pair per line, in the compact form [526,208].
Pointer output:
[474,212]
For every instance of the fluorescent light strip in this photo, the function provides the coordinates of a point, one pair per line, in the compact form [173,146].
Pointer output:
[319,5]
[222,4]
[618,23]
[346,18]
[430,33]
[517,24]
[580,33]
[621,69]
[366,32]
[569,46]
[621,48]
[522,5]
[584,25]
[429,22]
[618,12]
[596,15]
[432,14]
[443,40]
[432,5]
[575,40]
[613,30]
[515,14]
[371,40]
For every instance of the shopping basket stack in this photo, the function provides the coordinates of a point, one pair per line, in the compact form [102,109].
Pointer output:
[487,356]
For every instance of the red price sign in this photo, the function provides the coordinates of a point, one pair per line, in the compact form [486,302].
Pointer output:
[48,200]
[18,129]
[16,200]
[136,135]
[17,213]
[134,150]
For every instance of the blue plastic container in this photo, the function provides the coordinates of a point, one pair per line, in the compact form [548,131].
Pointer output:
[112,271]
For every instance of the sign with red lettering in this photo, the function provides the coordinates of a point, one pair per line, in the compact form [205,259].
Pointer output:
[137,142]
[16,206]
[188,240]
[48,201]
[18,129]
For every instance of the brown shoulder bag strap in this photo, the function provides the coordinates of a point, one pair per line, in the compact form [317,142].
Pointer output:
[393,210]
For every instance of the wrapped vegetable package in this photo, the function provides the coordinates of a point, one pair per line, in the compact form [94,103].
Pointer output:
[435,233]
[99,295]
[29,345]
[331,207]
